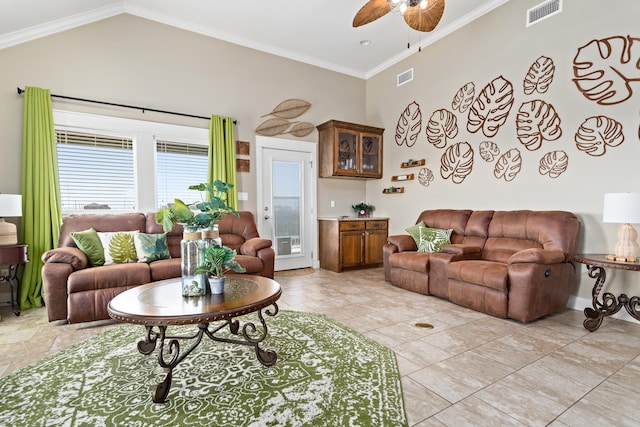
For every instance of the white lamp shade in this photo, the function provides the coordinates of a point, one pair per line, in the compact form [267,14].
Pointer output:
[10,205]
[621,208]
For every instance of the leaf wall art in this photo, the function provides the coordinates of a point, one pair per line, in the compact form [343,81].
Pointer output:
[409,125]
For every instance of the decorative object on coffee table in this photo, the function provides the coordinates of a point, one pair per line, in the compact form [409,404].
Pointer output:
[218,260]
[212,207]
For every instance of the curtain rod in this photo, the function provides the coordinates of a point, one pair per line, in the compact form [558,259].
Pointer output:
[143,109]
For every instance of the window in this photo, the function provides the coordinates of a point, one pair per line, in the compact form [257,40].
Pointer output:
[95,171]
[172,160]
[126,165]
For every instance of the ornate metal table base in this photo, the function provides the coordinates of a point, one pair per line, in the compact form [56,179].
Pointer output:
[610,304]
[169,355]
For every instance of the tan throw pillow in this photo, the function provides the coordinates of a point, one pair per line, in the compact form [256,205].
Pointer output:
[119,247]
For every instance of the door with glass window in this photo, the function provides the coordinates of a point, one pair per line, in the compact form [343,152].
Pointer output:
[285,210]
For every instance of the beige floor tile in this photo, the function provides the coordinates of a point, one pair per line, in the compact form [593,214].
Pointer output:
[530,408]
[460,376]
[473,412]
[420,402]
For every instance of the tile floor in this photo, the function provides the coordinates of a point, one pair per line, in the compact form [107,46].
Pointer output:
[469,370]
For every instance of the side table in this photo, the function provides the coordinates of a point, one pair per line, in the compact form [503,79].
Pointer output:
[13,256]
[596,264]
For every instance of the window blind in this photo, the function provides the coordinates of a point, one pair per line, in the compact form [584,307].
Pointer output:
[179,165]
[95,171]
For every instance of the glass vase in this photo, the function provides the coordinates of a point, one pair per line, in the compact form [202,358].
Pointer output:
[191,256]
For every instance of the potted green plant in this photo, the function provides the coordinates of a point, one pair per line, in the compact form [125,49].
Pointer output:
[218,260]
[211,208]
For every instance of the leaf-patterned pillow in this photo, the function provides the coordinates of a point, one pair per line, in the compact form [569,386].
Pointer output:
[433,239]
[151,247]
[119,247]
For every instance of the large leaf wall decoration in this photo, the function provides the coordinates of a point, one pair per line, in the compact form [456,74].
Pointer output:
[443,125]
[457,162]
[508,165]
[537,121]
[597,133]
[289,109]
[490,109]
[463,98]
[603,69]
[554,163]
[273,127]
[409,125]
[301,129]
[539,76]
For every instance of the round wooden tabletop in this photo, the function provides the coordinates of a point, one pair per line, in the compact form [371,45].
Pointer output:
[161,303]
[600,260]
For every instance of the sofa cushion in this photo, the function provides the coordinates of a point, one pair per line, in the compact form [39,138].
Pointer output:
[119,247]
[489,274]
[165,269]
[414,261]
[108,276]
[89,243]
[151,247]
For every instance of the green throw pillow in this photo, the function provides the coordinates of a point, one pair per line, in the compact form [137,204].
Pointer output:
[433,239]
[151,247]
[119,247]
[414,231]
[89,243]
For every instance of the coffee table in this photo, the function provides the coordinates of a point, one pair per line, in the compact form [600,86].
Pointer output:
[158,305]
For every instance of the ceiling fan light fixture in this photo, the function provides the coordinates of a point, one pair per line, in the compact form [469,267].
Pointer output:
[403,7]
[424,4]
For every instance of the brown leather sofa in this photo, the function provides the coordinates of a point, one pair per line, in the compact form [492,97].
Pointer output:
[79,292]
[509,264]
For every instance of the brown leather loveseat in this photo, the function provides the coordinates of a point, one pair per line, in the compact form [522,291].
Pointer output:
[79,292]
[509,264]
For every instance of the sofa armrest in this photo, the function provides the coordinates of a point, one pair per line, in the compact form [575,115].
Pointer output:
[252,246]
[403,242]
[459,249]
[67,255]
[537,256]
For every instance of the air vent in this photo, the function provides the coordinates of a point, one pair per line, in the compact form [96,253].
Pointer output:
[543,11]
[405,77]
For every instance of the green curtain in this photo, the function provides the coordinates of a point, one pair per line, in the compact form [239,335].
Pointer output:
[222,156]
[41,213]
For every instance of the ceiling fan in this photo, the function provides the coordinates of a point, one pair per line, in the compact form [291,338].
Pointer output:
[421,15]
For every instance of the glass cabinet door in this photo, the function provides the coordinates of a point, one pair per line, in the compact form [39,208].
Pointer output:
[370,154]
[347,149]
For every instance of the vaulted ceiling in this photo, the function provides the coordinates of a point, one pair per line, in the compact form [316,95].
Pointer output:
[315,32]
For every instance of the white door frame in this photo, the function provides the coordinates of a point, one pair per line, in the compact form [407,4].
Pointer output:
[263,142]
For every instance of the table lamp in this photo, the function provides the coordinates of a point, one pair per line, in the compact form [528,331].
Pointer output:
[10,206]
[623,208]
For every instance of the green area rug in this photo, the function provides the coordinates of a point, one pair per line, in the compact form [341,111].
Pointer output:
[326,375]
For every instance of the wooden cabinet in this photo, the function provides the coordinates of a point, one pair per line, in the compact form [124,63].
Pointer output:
[346,244]
[350,150]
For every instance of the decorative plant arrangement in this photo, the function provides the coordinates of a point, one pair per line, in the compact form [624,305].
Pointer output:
[193,248]
[218,260]
[212,208]
[362,209]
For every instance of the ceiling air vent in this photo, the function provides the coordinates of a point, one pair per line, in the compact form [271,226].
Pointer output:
[543,11]
[405,77]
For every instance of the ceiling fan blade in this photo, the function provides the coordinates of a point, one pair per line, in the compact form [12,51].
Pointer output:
[425,19]
[371,11]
